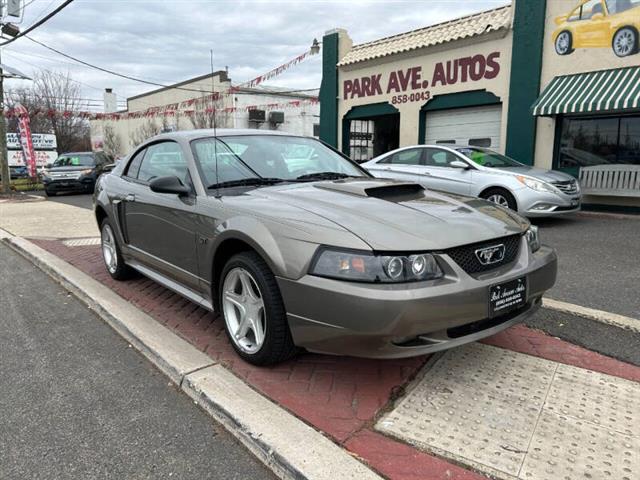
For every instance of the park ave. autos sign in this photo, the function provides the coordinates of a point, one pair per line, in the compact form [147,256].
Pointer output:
[416,83]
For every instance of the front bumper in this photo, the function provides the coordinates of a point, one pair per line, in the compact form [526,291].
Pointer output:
[541,204]
[395,321]
[69,185]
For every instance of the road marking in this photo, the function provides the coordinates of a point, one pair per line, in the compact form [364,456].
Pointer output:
[609,318]
[82,242]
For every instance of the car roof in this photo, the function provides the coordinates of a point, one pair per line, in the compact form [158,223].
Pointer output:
[219,132]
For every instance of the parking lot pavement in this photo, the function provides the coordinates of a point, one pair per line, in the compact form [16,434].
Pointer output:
[77,402]
[82,200]
[47,219]
[598,260]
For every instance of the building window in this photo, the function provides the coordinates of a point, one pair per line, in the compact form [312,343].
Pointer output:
[361,140]
[592,141]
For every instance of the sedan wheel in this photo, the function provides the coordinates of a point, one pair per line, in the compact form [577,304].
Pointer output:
[624,42]
[253,311]
[501,197]
[244,310]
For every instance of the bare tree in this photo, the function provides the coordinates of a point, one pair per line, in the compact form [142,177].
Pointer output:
[112,142]
[53,101]
[208,114]
[147,130]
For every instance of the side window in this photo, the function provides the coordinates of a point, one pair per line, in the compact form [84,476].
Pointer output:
[590,9]
[163,159]
[406,157]
[575,15]
[439,158]
[134,164]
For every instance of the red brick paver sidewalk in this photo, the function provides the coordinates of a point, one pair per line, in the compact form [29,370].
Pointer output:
[340,396]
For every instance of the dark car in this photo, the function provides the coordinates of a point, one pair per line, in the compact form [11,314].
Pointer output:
[74,172]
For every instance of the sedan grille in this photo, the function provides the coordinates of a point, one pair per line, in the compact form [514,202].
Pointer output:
[569,187]
[466,257]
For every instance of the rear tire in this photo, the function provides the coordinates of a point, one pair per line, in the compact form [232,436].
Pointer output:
[501,197]
[111,254]
[253,312]
[49,193]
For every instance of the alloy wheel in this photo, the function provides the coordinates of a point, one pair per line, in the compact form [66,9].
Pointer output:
[109,249]
[624,42]
[563,43]
[499,200]
[244,311]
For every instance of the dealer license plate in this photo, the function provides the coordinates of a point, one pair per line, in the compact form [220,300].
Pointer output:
[507,296]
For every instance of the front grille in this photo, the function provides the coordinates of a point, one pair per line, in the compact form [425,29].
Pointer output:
[64,175]
[569,187]
[465,256]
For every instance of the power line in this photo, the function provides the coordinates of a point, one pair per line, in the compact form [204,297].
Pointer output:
[111,72]
[38,23]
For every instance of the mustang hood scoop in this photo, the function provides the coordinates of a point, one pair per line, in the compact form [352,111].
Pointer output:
[384,190]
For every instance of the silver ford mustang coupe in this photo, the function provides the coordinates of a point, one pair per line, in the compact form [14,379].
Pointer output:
[298,247]
[480,172]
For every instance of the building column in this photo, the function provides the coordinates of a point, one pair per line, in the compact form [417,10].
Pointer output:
[524,83]
[335,44]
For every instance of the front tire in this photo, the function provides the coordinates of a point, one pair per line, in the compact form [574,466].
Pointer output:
[253,311]
[501,197]
[111,254]
[625,42]
[564,43]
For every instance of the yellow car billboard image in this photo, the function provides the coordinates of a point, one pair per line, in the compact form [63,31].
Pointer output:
[611,24]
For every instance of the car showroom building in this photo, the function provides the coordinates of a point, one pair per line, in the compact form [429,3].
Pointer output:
[552,83]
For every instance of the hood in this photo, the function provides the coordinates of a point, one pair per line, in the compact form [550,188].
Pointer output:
[69,169]
[398,216]
[548,176]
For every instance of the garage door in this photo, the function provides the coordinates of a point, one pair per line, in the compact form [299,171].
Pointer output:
[478,126]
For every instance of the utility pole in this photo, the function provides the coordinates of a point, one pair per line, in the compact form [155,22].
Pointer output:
[4,159]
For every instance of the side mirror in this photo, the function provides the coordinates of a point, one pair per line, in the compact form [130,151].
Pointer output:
[108,167]
[459,164]
[169,184]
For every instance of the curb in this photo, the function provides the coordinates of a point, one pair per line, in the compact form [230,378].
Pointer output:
[613,319]
[288,446]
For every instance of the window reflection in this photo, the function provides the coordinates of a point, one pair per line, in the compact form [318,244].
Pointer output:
[596,141]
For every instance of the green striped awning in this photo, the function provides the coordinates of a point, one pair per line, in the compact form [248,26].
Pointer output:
[601,91]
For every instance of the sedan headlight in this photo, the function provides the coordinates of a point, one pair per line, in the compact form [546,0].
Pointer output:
[537,185]
[366,267]
[533,239]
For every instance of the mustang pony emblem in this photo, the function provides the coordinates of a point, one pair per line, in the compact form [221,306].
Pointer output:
[490,255]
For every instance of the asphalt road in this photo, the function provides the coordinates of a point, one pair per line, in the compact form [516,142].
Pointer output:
[598,261]
[76,402]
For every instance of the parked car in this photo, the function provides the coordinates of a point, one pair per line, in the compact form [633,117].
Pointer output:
[74,172]
[601,24]
[316,255]
[480,172]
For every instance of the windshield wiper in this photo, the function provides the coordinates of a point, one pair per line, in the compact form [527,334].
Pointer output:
[247,182]
[324,176]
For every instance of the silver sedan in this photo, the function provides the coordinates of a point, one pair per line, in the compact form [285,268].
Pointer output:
[480,172]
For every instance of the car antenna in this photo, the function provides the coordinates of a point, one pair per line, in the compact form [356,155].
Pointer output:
[215,136]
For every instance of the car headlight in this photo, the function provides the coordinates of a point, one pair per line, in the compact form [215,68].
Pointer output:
[533,238]
[367,267]
[537,185]
[87,171]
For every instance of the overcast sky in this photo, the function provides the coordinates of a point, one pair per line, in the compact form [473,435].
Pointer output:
[167,41]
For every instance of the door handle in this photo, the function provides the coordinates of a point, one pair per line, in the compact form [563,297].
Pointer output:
[129,197]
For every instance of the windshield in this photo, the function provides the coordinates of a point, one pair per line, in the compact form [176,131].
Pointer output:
[268,156]
[488,158]
[81,160]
